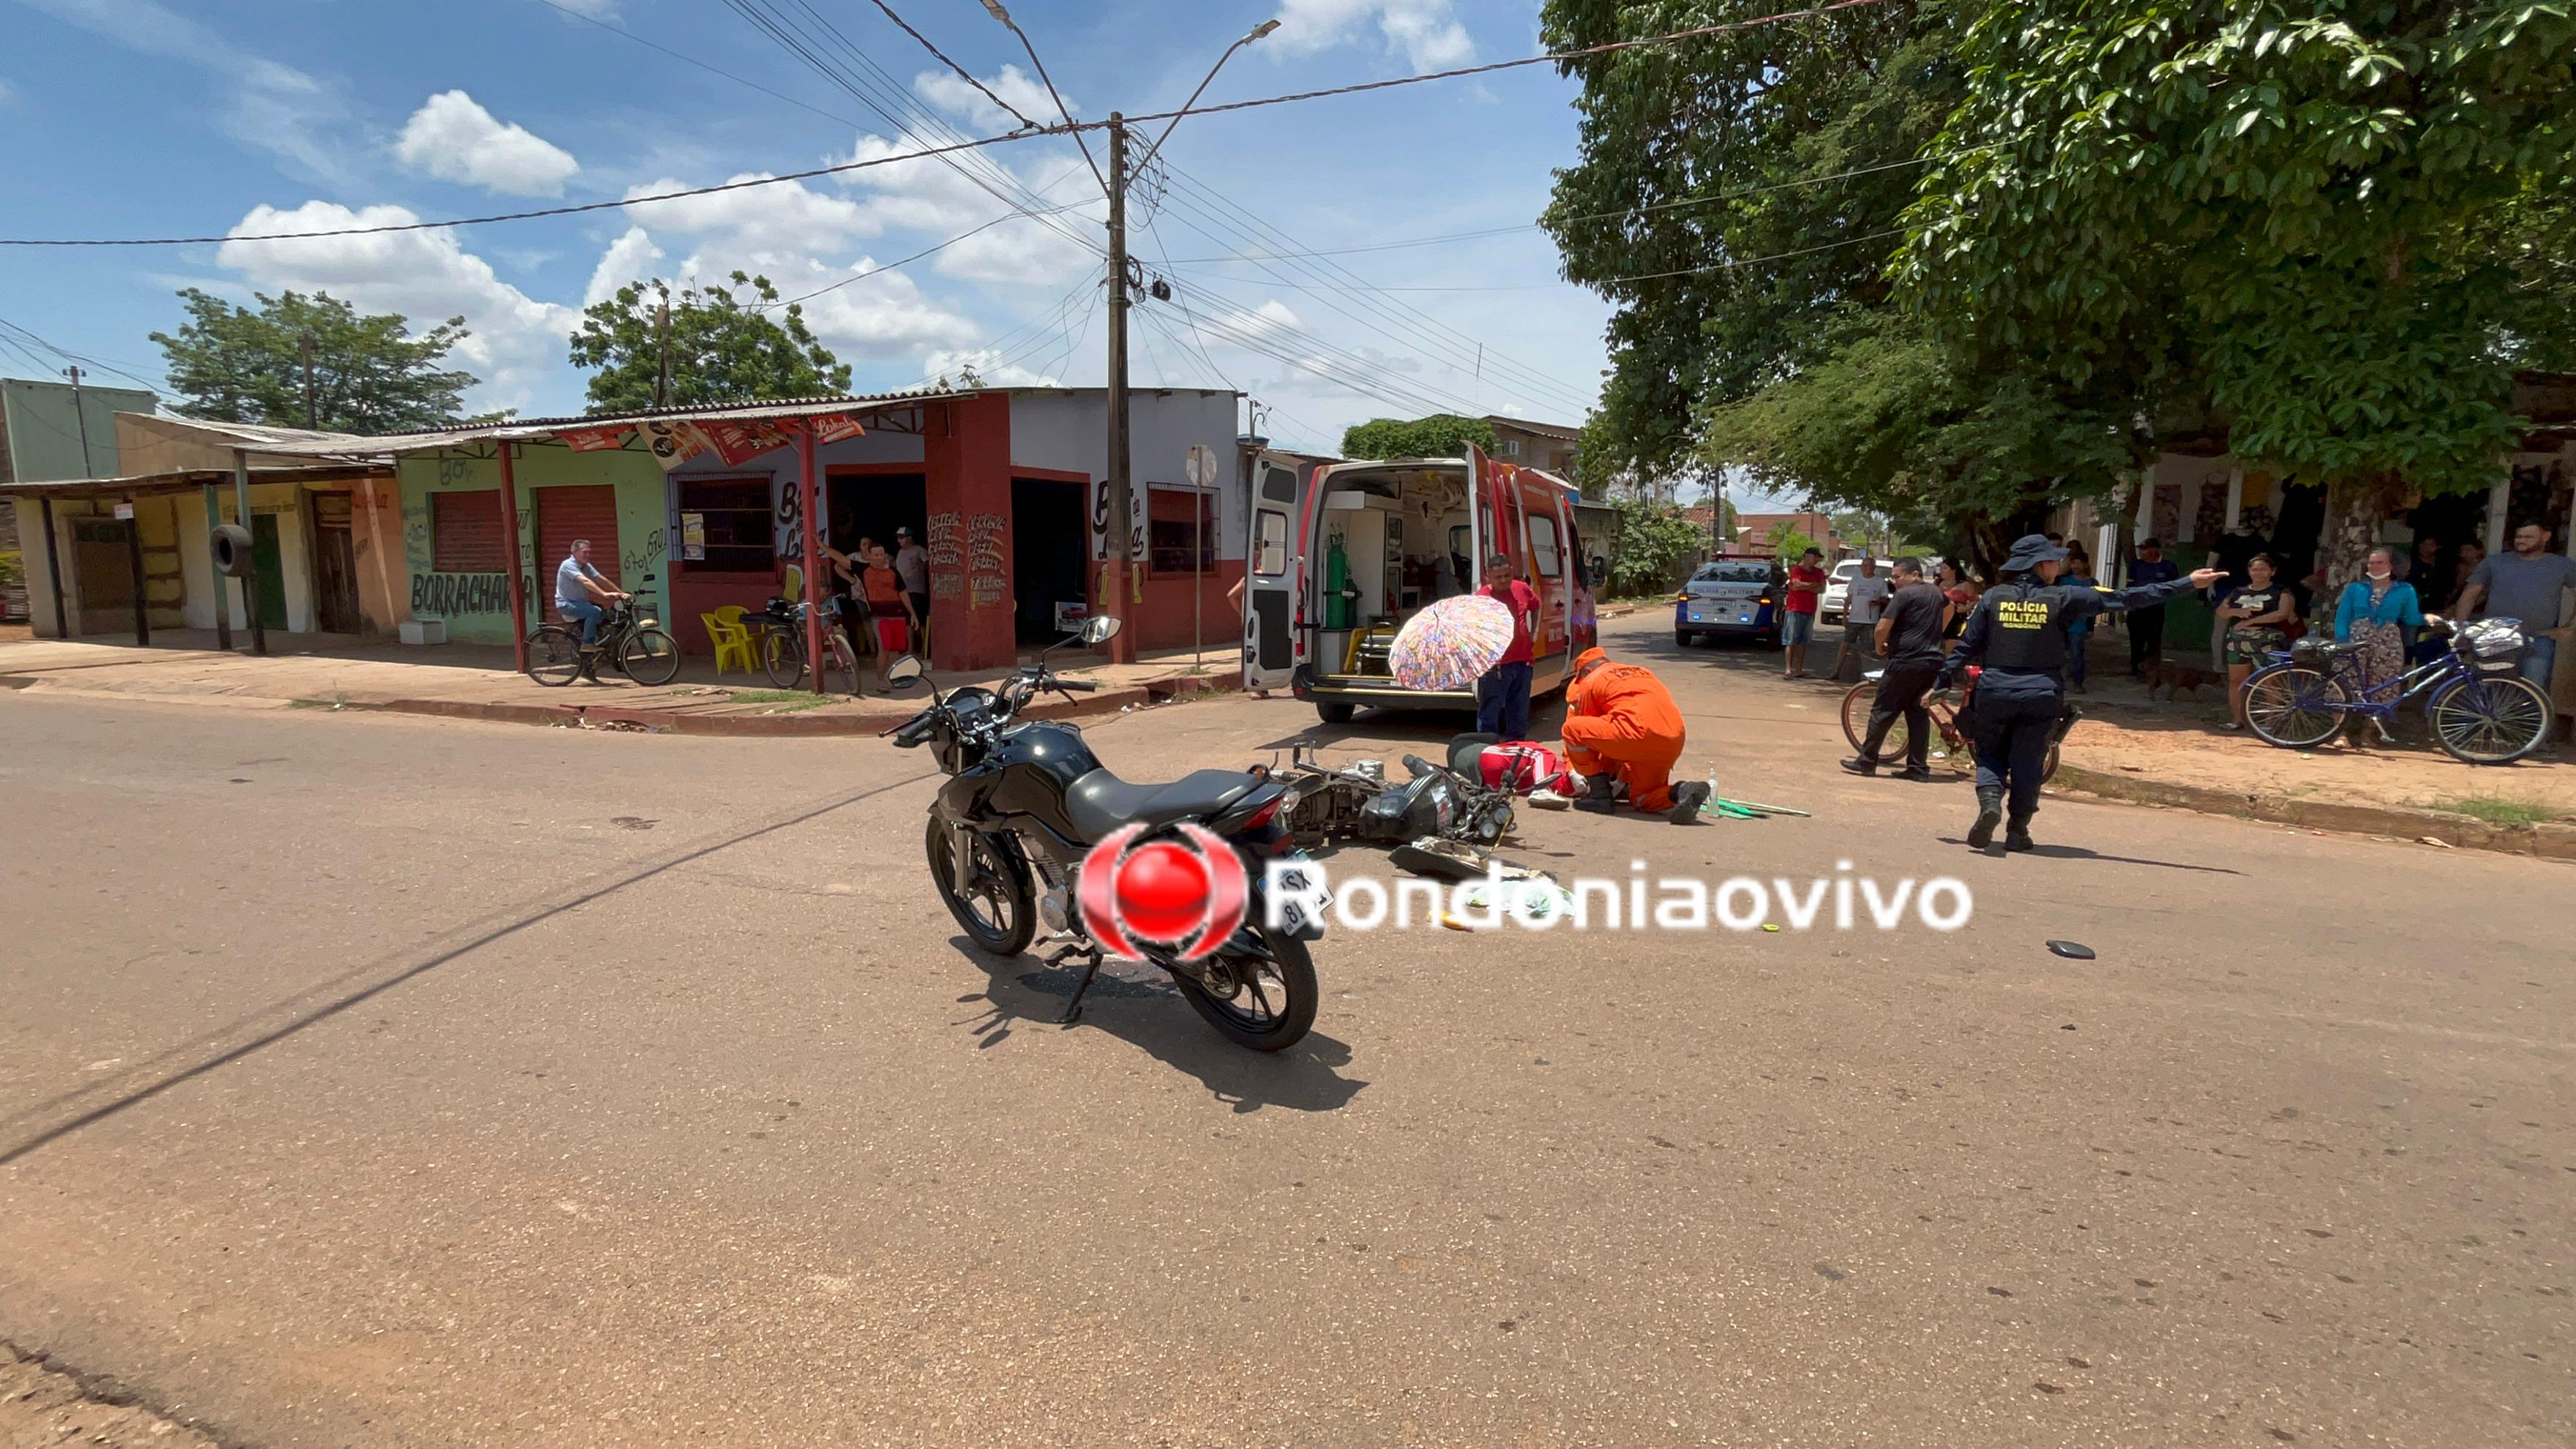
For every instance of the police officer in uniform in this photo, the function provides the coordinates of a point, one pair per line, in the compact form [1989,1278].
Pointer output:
[2018,633]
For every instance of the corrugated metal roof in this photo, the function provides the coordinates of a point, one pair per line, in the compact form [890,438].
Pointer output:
[189,480]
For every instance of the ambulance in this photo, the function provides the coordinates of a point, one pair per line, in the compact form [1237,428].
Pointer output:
[1341,554]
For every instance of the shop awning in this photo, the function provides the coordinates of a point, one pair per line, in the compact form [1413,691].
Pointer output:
[869,411]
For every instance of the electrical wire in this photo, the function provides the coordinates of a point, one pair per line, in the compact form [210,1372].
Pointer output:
[963,73]
[1070,128]
[890,266]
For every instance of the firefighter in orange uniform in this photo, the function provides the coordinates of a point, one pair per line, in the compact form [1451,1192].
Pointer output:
[1622,728]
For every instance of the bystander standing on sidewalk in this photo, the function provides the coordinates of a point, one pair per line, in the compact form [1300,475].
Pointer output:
[1864,599]
[2147,625]
[2526,584]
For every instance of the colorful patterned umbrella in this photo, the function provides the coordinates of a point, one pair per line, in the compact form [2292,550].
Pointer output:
[1447,645]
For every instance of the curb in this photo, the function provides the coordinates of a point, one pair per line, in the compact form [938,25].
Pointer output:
[770,726]
[2547,842]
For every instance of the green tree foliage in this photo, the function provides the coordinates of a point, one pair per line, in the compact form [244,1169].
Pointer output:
[721,349]
[1656,543]
[1793,143]
[1893,421]
[1441,435]
[369,373]
[2311,213]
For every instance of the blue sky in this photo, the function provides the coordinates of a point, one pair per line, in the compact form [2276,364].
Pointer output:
[137,118]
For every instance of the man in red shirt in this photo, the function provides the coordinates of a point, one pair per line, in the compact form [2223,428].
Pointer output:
[1805,592]
[1503,692]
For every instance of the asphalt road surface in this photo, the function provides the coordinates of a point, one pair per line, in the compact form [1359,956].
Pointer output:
[378,1082]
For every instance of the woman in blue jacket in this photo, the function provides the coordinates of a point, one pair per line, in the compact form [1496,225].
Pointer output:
[2381,613]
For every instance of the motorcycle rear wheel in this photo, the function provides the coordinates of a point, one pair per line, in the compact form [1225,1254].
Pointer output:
[1273,1006]
[999,913]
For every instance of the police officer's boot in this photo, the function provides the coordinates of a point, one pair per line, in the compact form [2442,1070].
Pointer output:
[2017,834]
[1990,813]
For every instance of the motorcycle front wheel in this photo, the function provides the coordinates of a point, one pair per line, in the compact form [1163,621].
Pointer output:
[1273,1004]
[999,910]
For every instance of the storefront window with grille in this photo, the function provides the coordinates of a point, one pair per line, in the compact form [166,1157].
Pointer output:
[740,536]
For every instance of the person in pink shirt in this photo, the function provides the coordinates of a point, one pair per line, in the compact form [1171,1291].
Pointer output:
[1503,692]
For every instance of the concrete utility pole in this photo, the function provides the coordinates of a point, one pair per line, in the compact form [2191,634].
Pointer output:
[1119,561]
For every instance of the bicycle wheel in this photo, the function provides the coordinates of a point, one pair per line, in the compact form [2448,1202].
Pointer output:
[649,656]
[1856,708]
[1856,704]
[840,667]
[554,656]
[2490,721]
[2292,706]
[782,654]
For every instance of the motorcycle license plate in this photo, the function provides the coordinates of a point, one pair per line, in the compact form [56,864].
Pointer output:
[1298,885]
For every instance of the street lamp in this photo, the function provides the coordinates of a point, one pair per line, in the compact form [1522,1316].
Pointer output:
[1258,31]
[1118,540]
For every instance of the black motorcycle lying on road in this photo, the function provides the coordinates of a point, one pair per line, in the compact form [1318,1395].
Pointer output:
[1026,801]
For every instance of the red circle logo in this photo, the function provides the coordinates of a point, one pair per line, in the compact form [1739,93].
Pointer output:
[1183,894]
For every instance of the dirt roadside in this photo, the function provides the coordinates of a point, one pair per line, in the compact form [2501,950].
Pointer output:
[41,1407]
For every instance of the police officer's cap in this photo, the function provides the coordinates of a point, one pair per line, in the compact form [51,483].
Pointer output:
[2030,551]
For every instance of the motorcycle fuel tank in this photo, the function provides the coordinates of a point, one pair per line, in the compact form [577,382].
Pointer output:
[1029,771]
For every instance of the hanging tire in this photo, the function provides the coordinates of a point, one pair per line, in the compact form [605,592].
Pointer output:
[1273,1002]
[649,656]
[782,659]
[2490,721]
[554,656]
[999,911]
[2293,706]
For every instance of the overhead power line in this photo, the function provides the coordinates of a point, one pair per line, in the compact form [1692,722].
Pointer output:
[962,72]
[1074,128]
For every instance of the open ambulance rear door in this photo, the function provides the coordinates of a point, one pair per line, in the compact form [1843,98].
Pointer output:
[1274,570]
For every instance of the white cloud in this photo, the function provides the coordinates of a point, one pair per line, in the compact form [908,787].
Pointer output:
[782,216]
[930,196]
[426,276]
[454,139]
[274,107]
[1426,31]
[1020,91]
[8,92]
[987,363]
[595,9]
[630,258]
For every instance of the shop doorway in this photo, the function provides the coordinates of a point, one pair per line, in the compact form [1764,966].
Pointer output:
[1049,530]
[873,505]
[335,565]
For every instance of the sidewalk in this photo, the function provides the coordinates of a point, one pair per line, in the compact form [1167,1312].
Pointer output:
[2176,753]
[309,671]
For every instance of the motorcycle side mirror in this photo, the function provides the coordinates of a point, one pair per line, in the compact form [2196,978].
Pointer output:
[906,670]
[1100,628]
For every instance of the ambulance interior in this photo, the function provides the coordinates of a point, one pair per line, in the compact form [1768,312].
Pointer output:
[1392,541]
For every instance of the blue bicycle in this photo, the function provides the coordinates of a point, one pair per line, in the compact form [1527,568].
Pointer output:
[2480,707]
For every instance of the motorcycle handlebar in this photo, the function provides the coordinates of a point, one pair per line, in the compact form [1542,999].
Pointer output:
[1078,686]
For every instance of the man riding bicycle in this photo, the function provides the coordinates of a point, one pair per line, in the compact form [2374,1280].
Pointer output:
[581,592]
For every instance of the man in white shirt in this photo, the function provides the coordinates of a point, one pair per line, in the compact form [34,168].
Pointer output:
[1864,599]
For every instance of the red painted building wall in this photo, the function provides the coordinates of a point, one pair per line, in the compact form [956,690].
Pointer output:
[966,458]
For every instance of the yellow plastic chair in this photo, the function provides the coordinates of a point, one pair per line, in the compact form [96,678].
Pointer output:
[792,586]
[732,638]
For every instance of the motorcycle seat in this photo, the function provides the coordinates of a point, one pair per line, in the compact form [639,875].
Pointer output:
[1100,802]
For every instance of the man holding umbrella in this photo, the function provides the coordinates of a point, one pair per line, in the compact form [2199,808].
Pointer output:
[1503,692]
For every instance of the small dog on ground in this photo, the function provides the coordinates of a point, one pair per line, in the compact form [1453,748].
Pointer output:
[2175,678]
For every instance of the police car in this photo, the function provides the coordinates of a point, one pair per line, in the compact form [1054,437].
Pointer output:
[1728,596]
